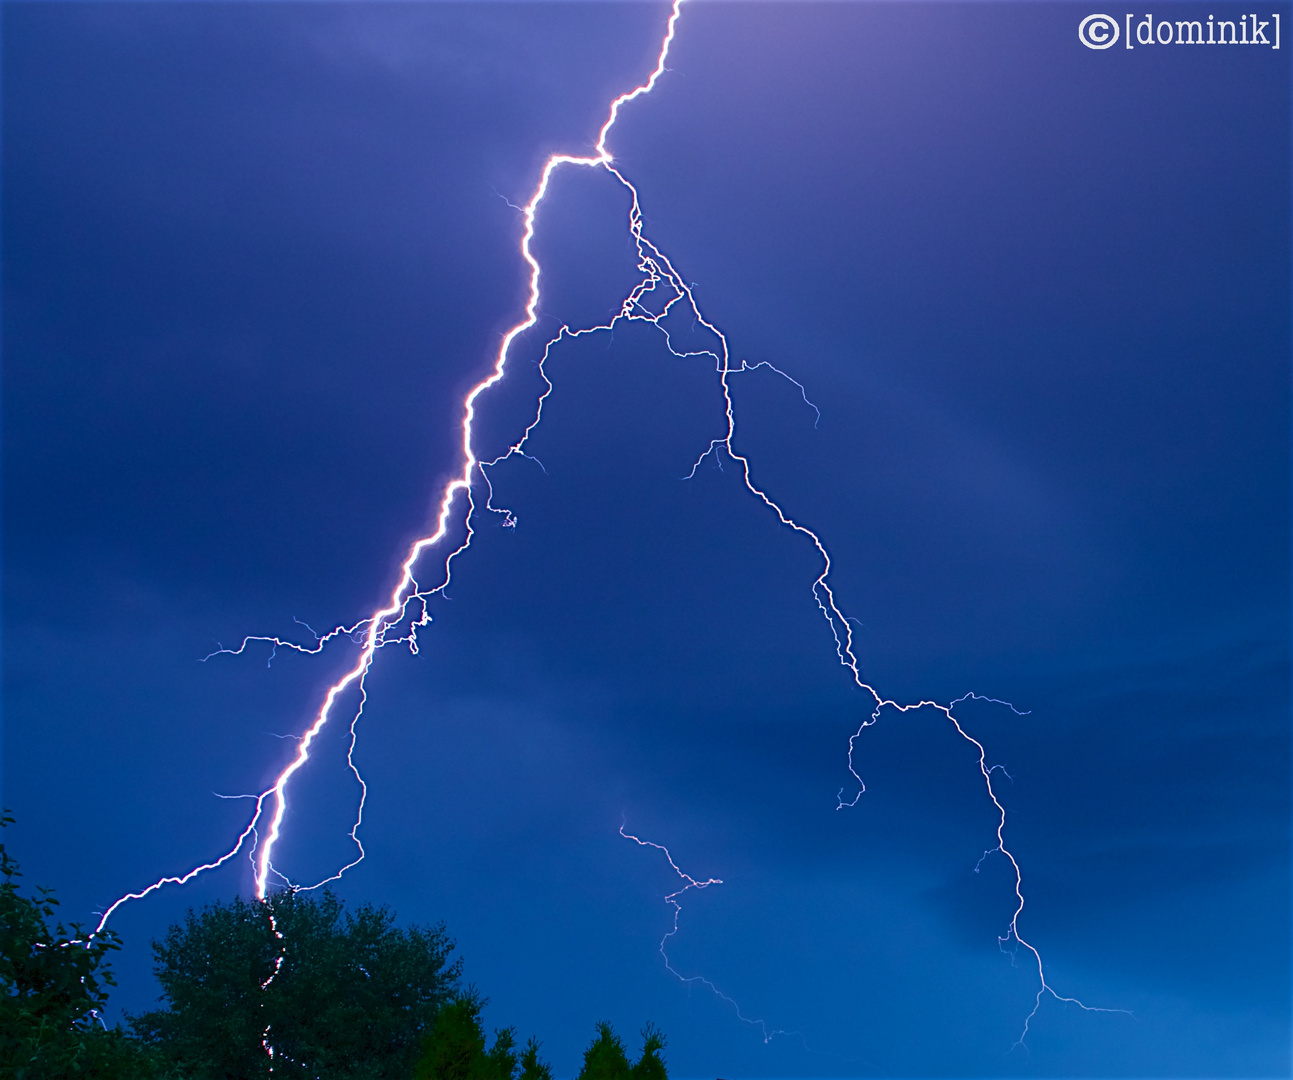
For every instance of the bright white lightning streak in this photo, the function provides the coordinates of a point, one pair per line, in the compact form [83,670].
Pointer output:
[406,610]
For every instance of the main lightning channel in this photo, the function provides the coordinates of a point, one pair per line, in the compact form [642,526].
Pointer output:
[406,594]
[660,292]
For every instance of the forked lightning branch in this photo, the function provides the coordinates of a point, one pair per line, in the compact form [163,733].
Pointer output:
[662,299]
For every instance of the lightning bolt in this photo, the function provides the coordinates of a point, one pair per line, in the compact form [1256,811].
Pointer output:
[663,299]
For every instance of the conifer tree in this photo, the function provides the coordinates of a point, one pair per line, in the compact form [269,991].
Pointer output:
[531,1067]
[650,1066]
[605,1059]
[455,1047]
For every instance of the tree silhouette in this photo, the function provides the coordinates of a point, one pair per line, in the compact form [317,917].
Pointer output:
[297,986]
[605,1059]
[53,985]
[455,1048]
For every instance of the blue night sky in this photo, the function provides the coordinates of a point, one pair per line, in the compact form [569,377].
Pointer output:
[255,253]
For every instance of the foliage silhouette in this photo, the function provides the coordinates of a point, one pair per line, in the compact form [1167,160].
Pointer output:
[455,1047]
[53,985]
[293,986]
[531,1067]
[650,1066]
[346,995]
[606,1059]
